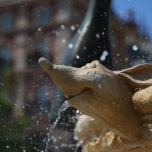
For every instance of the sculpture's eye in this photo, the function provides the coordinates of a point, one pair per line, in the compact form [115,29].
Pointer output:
[91,65]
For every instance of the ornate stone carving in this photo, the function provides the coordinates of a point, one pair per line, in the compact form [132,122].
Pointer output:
[118,105]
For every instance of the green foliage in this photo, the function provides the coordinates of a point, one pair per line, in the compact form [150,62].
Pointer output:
[6,88]
[15,135]
[5,106]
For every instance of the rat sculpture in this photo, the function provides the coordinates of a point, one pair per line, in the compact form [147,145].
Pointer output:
[119,103]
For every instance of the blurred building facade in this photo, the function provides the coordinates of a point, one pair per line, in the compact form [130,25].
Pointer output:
[130,45]
[30,29]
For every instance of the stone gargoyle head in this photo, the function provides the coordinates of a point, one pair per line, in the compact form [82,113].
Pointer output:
[115,99]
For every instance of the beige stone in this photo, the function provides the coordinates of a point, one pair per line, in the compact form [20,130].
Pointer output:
[119,103]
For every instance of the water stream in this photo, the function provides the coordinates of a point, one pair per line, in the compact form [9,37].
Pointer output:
[62,109]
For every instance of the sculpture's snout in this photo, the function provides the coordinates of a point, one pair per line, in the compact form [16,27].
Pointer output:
[45,64]
[71,81]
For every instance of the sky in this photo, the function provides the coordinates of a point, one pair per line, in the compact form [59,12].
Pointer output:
[141,9]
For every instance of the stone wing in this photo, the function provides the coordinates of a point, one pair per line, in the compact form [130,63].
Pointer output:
[137,77]
[140,79]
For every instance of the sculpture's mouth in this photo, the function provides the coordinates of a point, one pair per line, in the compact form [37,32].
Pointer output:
[70,98]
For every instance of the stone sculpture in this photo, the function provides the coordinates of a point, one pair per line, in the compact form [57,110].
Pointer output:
[118,102]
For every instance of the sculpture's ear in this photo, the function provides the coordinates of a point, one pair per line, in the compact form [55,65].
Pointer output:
[137,77]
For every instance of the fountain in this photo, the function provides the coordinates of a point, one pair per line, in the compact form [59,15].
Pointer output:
[119,102]
[62,109]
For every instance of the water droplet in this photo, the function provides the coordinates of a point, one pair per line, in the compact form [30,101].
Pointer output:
[99,85]
[79,31]
[77,56]
[135,47]
[70,46]
[60,137]
[63,40]
[62,26]
[103,56]
[7,146]
[75,138]
[46,93]
[77,111]
[57,33]
[126,59]
[97,35]
[39,29]
[72,27]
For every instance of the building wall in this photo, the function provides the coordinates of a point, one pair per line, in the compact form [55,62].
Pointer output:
[28,31]
[127,43]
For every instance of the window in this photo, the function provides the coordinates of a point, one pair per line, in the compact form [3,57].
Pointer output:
[42,99]
[40,49]
[6,21]
[41,45]
[21,20]
[63,13]
[4,56]
[42,15]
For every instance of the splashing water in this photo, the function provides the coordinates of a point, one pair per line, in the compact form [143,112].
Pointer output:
[62,109]
[78,144]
